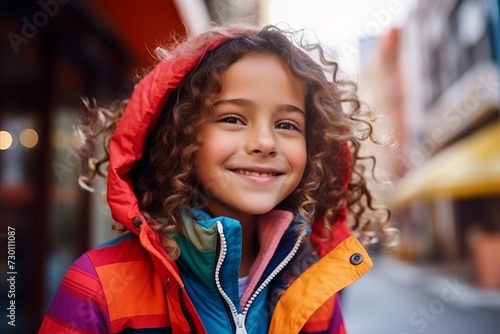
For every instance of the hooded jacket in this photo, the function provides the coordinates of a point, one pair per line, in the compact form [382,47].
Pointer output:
[131,285]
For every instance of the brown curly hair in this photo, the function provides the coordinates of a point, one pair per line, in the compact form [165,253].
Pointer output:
[165,180]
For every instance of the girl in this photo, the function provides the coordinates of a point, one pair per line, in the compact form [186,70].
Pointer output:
[234,168]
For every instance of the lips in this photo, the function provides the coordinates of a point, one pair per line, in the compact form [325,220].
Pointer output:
[255,173]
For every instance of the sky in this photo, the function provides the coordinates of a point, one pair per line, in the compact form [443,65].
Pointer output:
[339,24]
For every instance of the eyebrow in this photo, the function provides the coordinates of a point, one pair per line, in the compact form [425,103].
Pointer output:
[245,102]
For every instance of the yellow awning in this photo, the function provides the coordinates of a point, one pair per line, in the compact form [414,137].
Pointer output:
[468,168]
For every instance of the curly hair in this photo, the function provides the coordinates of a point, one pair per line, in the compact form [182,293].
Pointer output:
[165,180]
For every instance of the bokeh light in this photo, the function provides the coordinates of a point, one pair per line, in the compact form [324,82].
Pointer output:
[5,140]
[28,138]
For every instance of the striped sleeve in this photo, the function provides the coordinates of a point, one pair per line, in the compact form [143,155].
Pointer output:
[79,304]
[327,319]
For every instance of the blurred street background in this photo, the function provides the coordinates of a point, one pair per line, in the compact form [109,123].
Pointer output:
[428,69]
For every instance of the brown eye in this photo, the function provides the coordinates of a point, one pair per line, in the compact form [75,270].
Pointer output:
[287,125]
[231,119]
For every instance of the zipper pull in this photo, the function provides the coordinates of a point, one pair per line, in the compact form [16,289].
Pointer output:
[239,321]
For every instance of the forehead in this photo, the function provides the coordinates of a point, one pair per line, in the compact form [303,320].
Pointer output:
[262,76]
[255,64]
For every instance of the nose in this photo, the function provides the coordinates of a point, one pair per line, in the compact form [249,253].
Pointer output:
[261,141]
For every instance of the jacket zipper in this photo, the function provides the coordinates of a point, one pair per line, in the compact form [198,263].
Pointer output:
[239,318]
[186,314]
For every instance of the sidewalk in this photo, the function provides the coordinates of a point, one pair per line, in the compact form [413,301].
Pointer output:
[429,277]
[402,298]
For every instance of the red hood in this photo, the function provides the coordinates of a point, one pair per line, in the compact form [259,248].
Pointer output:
[139,119]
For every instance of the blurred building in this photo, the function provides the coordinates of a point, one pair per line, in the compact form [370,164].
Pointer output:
[436,80]
[52,53]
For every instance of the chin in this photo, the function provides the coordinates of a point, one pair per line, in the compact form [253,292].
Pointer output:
[258,211]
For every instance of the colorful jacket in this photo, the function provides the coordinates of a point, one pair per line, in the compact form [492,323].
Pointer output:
[130,285]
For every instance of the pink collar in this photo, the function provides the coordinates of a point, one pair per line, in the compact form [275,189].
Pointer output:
[270,230]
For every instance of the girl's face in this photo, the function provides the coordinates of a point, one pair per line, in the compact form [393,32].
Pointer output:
[254,154]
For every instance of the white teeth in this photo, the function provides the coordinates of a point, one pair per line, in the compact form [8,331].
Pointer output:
[247,172]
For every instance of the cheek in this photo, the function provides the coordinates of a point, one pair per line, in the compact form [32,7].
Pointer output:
[204,159]
[303,162]
[211,156]
[205,150]
[299,158]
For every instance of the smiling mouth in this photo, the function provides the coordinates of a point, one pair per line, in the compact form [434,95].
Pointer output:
[253,173]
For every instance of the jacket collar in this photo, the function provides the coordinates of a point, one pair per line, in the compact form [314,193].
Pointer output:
[334,271]
[337,269]
[198,243]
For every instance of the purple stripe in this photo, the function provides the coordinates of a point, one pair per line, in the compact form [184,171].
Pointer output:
[337,320]
[84,264]
[78,313]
